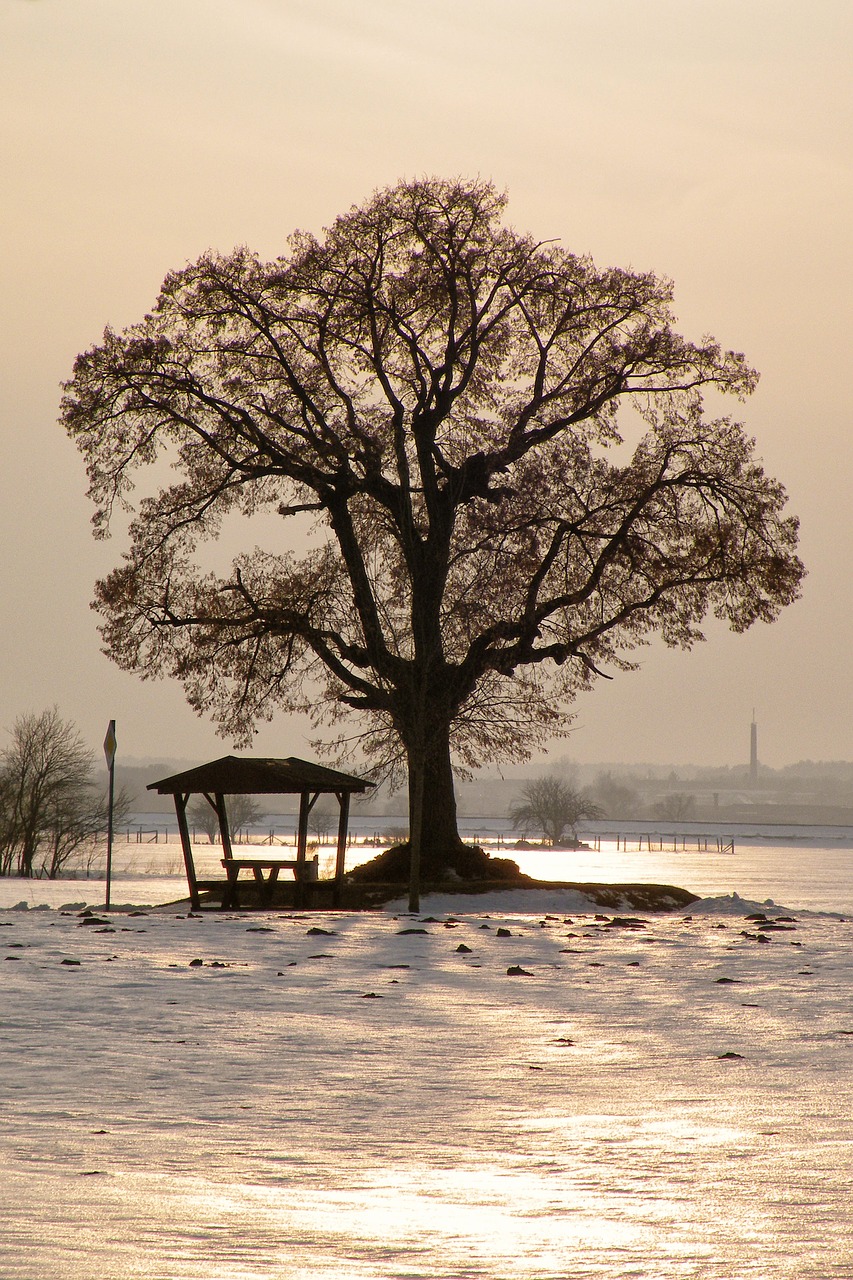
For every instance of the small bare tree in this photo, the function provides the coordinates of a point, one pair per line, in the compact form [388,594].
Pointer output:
[320,819]
[201,814]
[49,804]
[675,807]
[242,811]
[551,805]
[615,796]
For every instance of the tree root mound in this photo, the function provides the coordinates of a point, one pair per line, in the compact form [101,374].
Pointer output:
[459,862]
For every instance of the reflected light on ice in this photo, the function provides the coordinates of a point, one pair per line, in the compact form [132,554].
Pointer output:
[469,1217]
[196,1100]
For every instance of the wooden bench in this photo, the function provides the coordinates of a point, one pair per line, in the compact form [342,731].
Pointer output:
[266,884]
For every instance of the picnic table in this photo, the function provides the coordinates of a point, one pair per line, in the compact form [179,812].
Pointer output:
[266,883]
[243,776]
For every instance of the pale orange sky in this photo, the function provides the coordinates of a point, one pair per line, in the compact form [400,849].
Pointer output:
[708,140]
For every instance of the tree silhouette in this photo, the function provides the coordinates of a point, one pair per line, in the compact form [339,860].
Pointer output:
[428,402]
[50,807]
[550,805]
[242,811]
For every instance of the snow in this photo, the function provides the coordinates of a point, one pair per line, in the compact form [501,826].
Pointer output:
[732,904]
[371,1102]
[508,900]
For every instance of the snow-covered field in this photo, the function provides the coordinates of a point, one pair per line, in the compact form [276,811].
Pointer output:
[240,1098]
[809,867]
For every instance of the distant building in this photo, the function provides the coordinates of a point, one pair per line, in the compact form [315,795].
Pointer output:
[753,753]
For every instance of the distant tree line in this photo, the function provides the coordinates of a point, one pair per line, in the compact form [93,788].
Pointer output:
[51,810]
[807,791]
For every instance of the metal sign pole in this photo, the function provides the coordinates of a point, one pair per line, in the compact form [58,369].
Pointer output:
[110,754]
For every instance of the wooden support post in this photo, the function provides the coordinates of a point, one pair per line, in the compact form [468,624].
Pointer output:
[340,856]
[218,803]
[186,846]
[305,806]
[224,833]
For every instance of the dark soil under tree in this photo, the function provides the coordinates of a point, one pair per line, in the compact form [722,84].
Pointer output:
[462,862]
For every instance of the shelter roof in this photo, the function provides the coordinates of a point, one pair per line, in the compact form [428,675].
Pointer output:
[253,775]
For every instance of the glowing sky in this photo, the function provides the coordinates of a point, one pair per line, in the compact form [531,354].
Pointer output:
[708,140]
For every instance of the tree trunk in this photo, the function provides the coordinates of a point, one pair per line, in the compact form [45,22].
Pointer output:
[440,841]
[435,847]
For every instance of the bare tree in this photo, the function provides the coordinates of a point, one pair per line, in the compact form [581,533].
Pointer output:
[550,805]
[675,807]
[242,811]
[615,797]
[202,815]
[321,819]
[49,803]
[433,398]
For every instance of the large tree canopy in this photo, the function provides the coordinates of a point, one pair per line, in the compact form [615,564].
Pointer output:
[440,396]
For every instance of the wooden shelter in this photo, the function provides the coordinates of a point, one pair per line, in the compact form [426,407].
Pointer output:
[249,776]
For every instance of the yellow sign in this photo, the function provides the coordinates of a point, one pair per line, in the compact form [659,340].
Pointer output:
[110,744]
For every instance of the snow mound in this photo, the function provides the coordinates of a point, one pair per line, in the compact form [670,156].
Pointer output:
[501,901]
[734,905]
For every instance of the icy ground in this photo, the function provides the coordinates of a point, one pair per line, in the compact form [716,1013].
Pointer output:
[240,1098]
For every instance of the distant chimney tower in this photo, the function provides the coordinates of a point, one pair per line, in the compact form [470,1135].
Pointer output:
[753,752]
